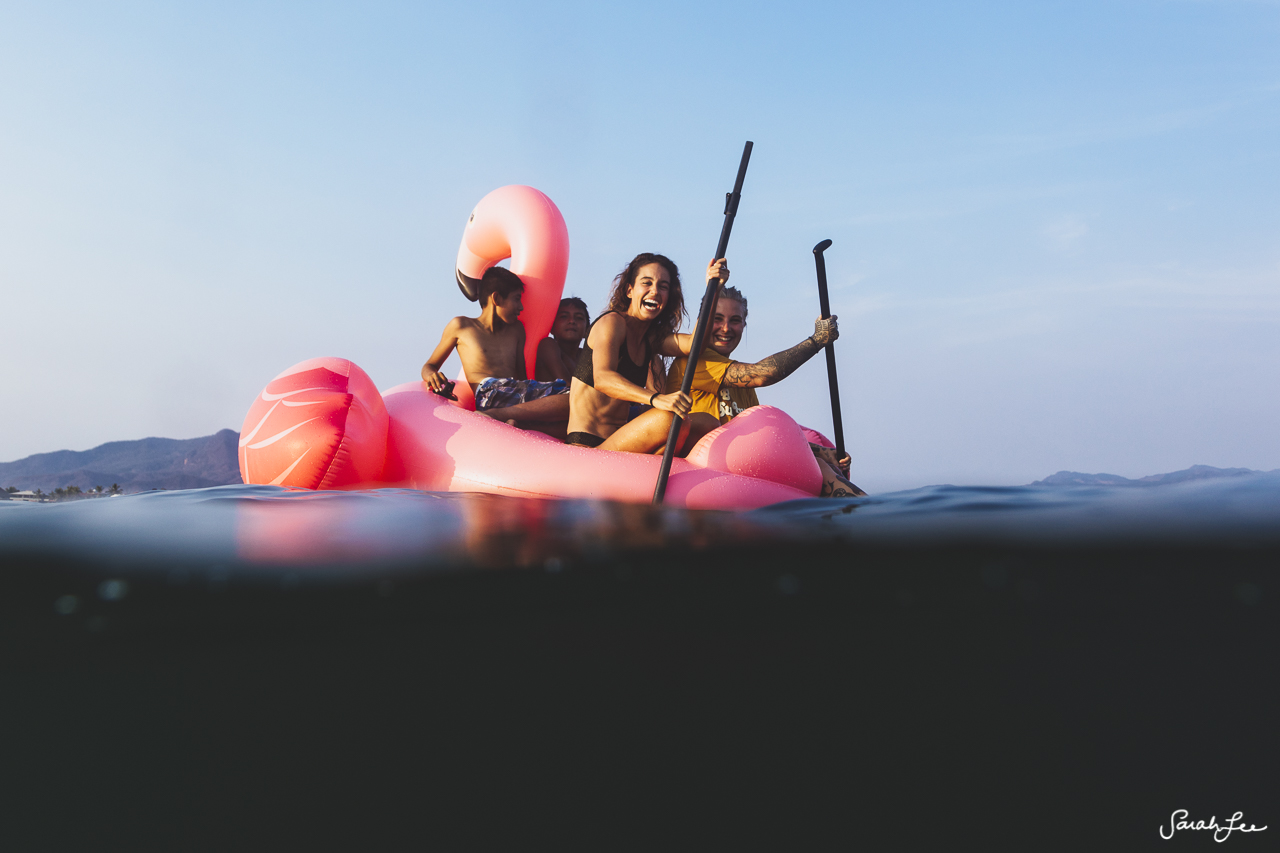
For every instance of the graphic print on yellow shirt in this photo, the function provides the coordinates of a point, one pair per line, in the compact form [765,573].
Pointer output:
[708,395]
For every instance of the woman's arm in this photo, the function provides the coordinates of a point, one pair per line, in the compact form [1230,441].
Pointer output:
[780,365]
[675,346]
[606,338]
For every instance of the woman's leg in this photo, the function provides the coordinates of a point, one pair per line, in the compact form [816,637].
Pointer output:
[648,432]
[834,485]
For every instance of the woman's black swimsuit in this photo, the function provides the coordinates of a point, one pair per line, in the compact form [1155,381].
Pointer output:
[637,374]
[632,372]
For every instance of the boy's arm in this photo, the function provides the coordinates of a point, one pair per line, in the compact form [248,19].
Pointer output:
[780,365]
[448,341]
[550,365]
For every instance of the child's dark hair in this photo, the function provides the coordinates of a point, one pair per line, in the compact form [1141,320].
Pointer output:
[666,323]
[501,281]
[575,302]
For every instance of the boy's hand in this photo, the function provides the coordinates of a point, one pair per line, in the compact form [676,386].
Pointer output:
[677,402]
[718,269]
[435,379]
[825,331]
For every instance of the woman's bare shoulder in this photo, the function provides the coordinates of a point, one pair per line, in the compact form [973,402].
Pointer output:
[609,325]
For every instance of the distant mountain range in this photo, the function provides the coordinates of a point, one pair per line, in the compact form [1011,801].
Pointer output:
[195,463]
[1195,472]
[136,466]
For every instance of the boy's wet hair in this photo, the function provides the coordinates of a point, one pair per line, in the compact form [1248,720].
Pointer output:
[736,295]
[501,281]
[575,302]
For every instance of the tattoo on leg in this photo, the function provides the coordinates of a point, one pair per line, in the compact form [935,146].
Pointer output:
[839,487]
[847,489]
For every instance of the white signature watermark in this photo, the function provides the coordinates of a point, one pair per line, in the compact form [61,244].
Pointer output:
[1221,831]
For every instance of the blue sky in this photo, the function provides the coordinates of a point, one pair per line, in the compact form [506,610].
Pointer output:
[1056,225]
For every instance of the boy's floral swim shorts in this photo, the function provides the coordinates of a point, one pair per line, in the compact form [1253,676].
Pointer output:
[495,393]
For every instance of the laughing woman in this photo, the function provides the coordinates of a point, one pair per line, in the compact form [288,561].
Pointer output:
[645,309]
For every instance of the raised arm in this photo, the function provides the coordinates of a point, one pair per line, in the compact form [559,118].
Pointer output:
[677,345]
[448,341]
[780,365]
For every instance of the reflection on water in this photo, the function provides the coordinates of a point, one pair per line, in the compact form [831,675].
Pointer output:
[272,527]
[265,527]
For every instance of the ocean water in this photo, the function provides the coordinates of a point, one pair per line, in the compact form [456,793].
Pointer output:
[265,530]
[1025,667]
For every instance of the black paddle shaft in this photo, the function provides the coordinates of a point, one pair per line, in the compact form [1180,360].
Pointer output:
[831,347]
[704,320]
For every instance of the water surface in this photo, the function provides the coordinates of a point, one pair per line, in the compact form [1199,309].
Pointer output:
[267,529]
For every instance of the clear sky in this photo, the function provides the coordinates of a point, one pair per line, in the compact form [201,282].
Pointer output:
[1056,225]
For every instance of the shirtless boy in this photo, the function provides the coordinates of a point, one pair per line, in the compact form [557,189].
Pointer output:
[491,348]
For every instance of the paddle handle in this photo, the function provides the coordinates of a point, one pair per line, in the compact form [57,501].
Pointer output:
[704,320]
[825,304]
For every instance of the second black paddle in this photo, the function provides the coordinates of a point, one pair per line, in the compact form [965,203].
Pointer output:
[831,347]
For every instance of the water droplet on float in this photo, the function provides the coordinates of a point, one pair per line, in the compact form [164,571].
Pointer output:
[66,605]
[113,590]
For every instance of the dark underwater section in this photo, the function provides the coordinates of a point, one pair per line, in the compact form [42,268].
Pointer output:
[1020,668]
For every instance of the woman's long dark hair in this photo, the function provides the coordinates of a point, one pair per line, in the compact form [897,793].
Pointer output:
[673,314]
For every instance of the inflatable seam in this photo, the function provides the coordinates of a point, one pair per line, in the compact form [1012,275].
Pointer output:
[342,442]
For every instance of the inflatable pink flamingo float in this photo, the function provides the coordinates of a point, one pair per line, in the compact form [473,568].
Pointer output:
[322,424]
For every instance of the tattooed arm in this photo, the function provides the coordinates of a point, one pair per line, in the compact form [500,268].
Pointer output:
[780,365]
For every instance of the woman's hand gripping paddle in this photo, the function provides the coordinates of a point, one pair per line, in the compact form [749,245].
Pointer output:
[831,347]
[704,320]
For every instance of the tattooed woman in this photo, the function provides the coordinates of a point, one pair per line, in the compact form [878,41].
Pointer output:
[722,387]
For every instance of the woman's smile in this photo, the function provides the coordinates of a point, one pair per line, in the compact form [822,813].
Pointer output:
[649,293]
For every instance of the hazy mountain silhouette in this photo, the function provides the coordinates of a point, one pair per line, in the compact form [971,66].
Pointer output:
[1195,472]
[148,463]
[195,463]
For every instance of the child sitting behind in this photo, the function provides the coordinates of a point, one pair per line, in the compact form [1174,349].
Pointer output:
[491,348]
[558,354]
